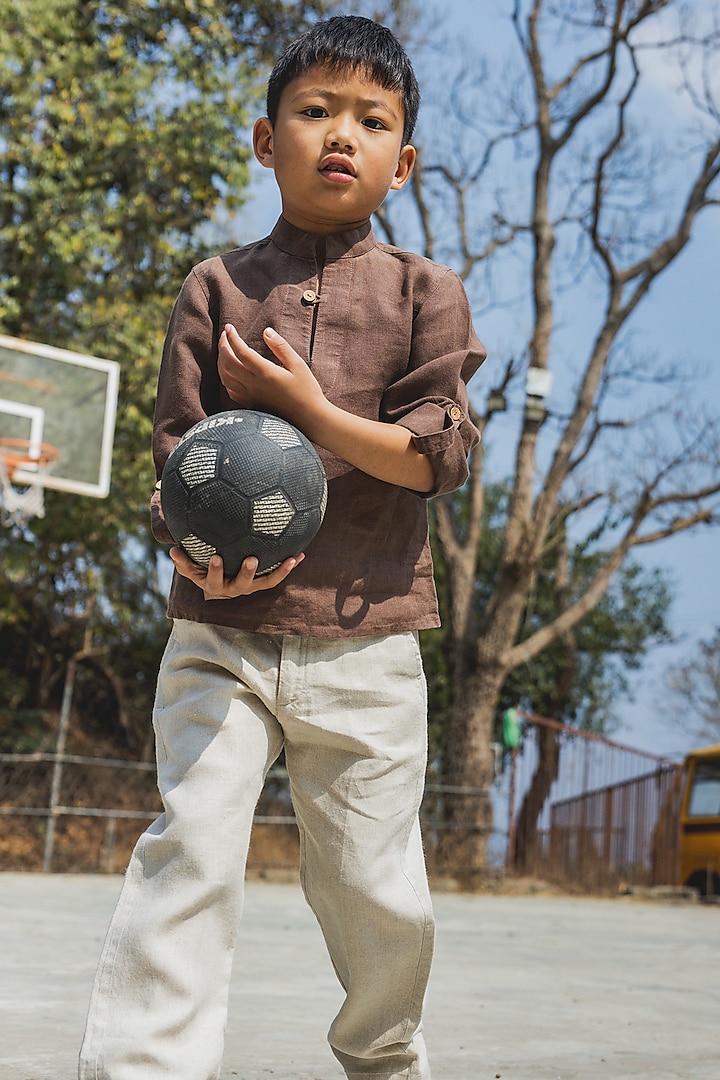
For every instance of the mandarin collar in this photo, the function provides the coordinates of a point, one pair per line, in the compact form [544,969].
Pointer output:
[342,245]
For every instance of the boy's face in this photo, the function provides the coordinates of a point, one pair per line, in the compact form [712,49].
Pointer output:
[336,149]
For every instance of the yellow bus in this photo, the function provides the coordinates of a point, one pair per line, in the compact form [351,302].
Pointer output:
[699,832]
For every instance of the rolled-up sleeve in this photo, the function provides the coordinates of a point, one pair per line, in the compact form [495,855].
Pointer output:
[431,400]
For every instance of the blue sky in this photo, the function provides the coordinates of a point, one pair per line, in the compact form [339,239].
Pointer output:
[680,319]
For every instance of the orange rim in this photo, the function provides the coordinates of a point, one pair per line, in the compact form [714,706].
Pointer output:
[20,454]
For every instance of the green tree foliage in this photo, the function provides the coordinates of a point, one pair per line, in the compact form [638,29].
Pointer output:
[578,679]
[123,135]
[612,641]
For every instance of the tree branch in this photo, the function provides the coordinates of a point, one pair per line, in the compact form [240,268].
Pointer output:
[649,267]
[538,642]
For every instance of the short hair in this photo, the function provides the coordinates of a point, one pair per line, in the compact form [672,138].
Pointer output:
[349,43]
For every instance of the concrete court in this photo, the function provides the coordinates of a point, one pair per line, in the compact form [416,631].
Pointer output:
[524,987]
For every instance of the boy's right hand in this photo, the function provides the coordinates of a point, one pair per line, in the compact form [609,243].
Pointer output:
[216,586]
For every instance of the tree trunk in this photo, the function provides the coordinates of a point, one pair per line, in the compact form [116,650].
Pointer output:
[467,773]
[527,849]
[527,853]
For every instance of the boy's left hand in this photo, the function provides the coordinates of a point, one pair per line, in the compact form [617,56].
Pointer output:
[289,389]
[216,586]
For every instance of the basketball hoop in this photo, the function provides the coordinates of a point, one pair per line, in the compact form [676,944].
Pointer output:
[23,467]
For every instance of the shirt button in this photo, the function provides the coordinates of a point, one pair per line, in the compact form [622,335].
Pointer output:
[309,297]
[456,413]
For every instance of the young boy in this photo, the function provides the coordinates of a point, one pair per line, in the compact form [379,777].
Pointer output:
[365,348]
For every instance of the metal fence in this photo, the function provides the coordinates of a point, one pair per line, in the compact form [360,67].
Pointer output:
[589,812]
[65,811]
[75,814]
[614,834]
[568,807]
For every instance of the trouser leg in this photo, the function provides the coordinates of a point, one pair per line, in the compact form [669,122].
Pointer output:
[355,746]
[159,1002]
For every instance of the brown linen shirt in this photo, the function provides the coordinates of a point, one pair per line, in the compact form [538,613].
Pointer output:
[389,336]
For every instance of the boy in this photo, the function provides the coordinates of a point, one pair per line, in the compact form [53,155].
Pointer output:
[321,656]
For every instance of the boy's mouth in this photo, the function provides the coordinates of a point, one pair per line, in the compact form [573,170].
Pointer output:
[338,167]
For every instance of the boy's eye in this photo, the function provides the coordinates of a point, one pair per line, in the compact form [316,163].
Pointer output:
[374,124]
[315,112]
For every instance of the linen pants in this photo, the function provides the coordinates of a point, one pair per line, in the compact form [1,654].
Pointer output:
[351,715]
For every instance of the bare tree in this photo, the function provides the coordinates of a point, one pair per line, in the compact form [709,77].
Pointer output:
[561,192]
[691,696]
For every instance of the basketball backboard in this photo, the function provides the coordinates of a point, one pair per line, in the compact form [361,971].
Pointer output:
[65,400]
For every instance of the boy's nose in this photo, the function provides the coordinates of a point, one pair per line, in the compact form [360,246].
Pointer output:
[340,138]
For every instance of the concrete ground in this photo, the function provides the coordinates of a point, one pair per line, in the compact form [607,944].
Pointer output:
[523,988]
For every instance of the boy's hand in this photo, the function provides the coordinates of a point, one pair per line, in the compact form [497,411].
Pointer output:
[217,587]
[288,389]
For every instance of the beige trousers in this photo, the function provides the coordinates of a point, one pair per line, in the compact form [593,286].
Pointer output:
[351,715]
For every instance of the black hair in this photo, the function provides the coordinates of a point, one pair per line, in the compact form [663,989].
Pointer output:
[349,43]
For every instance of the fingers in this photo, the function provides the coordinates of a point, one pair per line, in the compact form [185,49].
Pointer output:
[250,379]
[216,586]
[235,348]
[280,348]
[287,388]
[236,354]
[233,373]
[269,581]
[186,567]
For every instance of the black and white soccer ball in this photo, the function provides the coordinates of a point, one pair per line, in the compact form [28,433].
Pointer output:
[243,483]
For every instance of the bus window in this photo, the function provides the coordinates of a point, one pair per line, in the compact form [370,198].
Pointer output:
[704,800]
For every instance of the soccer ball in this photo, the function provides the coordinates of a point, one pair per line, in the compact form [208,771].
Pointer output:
[243,483]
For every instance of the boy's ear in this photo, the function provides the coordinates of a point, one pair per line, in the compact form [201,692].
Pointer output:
[405,166]
[263,142]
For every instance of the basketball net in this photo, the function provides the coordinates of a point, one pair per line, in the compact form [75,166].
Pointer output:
[22,499]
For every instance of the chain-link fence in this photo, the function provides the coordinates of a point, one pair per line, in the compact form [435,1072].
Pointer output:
[567,807]
[73,814]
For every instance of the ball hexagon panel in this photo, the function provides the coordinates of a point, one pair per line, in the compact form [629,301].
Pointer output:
[272,513]
[280,432]
[198,550]
[198,464]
